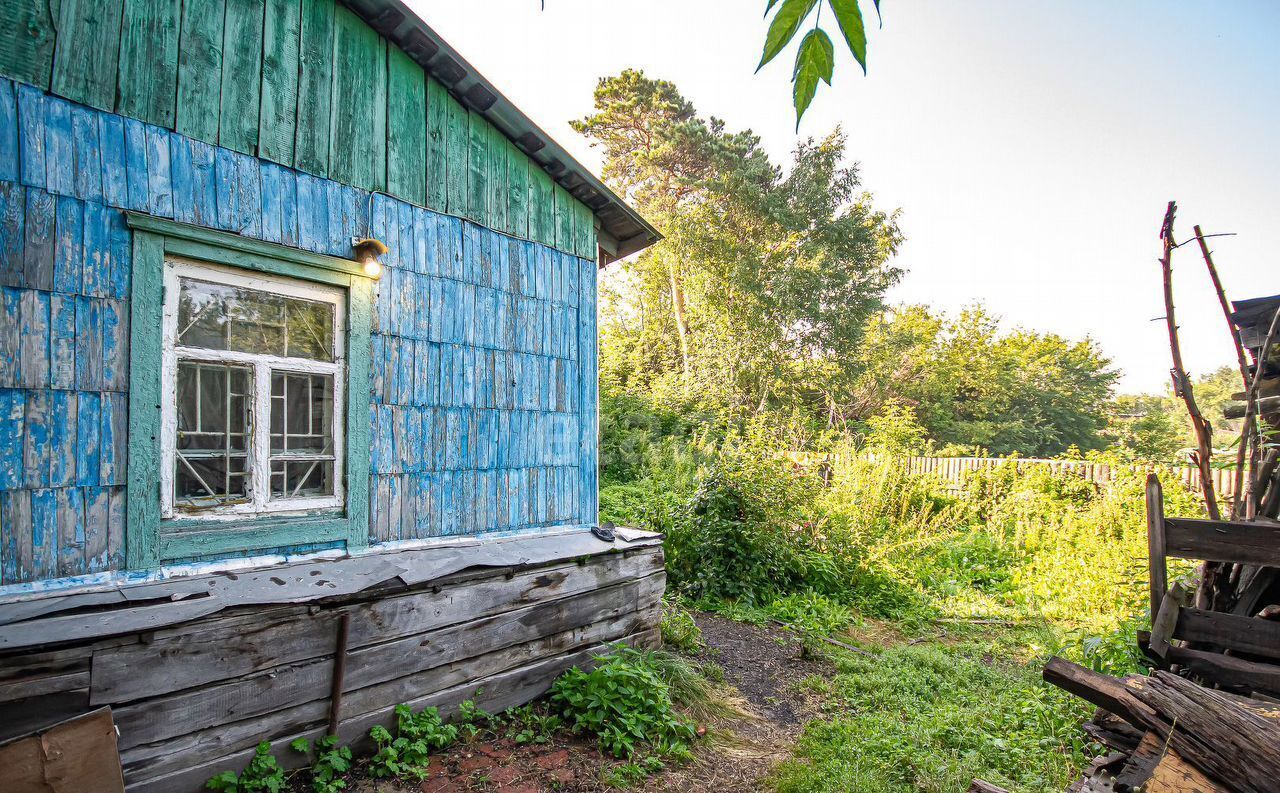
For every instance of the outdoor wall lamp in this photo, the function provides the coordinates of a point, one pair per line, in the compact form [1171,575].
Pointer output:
[367,251]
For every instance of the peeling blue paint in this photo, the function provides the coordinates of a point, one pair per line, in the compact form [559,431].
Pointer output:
[483,390]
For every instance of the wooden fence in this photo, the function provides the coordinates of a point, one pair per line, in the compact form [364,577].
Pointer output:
[953,471]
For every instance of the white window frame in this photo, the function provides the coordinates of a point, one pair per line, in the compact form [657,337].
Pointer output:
[260,502]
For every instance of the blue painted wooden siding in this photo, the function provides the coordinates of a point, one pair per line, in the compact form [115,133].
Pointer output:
[484,372]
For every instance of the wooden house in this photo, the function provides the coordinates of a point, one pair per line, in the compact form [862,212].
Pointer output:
[297,381]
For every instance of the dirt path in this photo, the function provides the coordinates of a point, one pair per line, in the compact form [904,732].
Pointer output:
[763,664]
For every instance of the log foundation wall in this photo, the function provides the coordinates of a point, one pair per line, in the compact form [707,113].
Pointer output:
[194,698]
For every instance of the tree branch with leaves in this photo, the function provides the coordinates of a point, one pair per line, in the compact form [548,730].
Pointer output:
[815,58]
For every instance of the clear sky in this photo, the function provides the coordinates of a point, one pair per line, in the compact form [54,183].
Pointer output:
[1031,144]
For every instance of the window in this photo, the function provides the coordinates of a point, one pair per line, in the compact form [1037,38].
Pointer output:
[249,397]
[253,373]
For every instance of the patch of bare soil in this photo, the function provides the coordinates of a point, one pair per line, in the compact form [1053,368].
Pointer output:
[763,664]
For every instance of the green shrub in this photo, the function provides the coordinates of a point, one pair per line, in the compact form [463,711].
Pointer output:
[811,613]
[530,724]
[330,765]
[262,775]
[622,702]
[679,631]
[417,735]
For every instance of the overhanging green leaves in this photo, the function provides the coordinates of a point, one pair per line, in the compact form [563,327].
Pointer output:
[815,60]
[849,17]
[784,27]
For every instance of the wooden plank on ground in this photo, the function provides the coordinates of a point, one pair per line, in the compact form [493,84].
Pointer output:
[76,755]
[1249,635]
[1232,674]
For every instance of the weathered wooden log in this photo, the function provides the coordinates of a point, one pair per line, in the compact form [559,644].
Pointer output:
[1223,737]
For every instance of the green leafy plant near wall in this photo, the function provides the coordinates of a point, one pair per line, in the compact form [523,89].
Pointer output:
[624,703]
[406,755]
[262,775]
[330,765]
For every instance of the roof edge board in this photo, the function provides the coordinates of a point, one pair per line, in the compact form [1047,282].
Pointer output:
[402,26]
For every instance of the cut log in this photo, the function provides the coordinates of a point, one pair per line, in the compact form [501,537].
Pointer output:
[1219,734]
[1221,737]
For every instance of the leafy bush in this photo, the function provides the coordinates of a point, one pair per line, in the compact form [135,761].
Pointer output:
[262,775]
[679,631]
[529,724]
[624,703]
[811,613]
[417,735]
[330,765]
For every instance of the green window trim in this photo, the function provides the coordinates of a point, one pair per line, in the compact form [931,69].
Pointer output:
[150,541]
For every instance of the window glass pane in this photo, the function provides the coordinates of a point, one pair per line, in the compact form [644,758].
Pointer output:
[211,465]
[301,478]
[223,317]
[301,413]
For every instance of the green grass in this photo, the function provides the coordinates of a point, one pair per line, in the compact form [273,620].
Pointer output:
[933,716]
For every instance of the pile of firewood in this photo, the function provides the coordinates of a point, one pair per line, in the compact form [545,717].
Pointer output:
[1167,734]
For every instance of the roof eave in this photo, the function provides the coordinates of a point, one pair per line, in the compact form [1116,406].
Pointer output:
[621,230]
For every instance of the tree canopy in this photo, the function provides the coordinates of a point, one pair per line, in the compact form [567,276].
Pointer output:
[758,297]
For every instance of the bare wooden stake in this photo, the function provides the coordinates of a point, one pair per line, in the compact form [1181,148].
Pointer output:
[1181,381]
[1237,503]
[339,672]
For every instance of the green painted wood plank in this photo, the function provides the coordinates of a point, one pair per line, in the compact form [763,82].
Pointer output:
[357,129]
[437,144]
[26,42]
[458,132]
[241,75]
[200,69]
[252,534]
[584,232]
[517,191]
[147,83]
[562,233]
[359,398]
[406,128]
[478,168]
[278,119]
[315,87]
[542,208]
[145,342]
[87,52]
[496,180]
